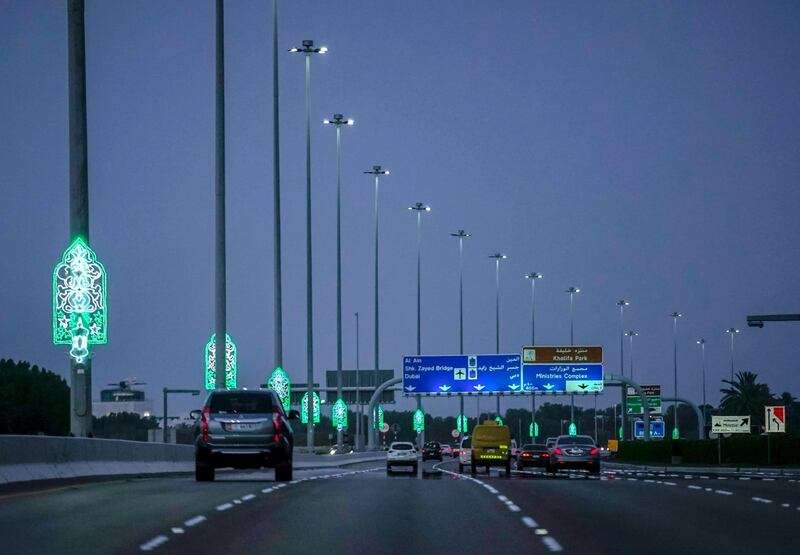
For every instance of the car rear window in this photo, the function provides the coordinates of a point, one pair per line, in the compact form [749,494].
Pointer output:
[467,443]
[402,447]
[576,440]
[241,403]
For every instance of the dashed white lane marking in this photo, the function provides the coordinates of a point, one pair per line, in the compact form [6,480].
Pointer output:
[513,508]
[267,490]
[224,506]
[502,498]
[694,487]
[768,479]
[552,544]
[248,497]
[670,484]
[155,542]
[785,505]
[761,500]
[530,523]
[744,478]
[237,502]
[723,492]
[177,530]
[709,489]
[541,531]
[194,521]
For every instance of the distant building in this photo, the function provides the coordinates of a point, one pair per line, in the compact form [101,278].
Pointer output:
[122,398]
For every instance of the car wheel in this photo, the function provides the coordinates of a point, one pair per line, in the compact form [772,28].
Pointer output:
[508,469]
[473,469]
[283,472]
[203,472]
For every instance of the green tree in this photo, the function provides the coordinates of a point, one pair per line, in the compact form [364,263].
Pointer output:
[32,400]
[123,425]
[745,396]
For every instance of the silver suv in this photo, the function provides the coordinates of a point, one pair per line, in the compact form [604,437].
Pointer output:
[243,429]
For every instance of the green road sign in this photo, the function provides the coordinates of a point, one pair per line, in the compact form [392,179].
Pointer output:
[211,363]
[79,300]
[280,384]
[653,396]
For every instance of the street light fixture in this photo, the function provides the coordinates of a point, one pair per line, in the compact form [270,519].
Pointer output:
[498,256]
[376,171]
[675,316]
[572,292]
[533,276]
[622,303]
[702,343]
[307,50]
[338,120]
[461,235]
[731,332]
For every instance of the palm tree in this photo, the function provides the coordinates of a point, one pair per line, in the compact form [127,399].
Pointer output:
[746,396]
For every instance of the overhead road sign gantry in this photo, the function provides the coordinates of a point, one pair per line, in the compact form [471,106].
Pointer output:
[562,369]
[775,419]
[462,374]
[730,424]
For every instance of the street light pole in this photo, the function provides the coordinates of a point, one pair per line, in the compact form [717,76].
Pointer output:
[460,235]
[498,256]
[220,270]
[419,208]
[631,334]
[572,292]
[731,332]
[675,316]
[276,186]
[376,171]
[307,50]
[622,303]
[533,276]
[702,343]
[337,121]
[359,413]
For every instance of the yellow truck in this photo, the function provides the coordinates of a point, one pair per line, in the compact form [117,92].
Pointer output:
[491,444]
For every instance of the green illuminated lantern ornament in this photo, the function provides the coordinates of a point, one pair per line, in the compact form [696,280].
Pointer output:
[498,420]
[377,418]
[533,429]
[419,420]
[339,414]
[620,433]
[573,430]
[675,433]
[79,301]
[315,408]
[280,384]
[211,363]
[461,424]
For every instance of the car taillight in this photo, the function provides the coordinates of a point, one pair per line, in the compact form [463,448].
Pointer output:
[545,454]
[594,451]
[557,451]
[526,454]
[204,415]
[276,425]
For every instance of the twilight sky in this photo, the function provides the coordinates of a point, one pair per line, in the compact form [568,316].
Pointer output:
[645,151]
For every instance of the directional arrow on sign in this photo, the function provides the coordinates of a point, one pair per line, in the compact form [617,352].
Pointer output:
[583,386]
[744,422]
[444,387]
[410,388]
[548,386]
[514,386]
[478,387]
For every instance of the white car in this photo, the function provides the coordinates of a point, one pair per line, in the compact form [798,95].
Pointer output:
[464,453]
[401,453]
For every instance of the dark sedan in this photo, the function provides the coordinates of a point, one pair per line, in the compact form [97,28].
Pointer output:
[533,454]
[574,452]
[432,450]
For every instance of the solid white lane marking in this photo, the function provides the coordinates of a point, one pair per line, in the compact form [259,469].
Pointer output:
[552,544]
[194,521]
[224,506]
[761,500]
[530,523]
[177,530]
[248,497]
[152,544]
[723,492]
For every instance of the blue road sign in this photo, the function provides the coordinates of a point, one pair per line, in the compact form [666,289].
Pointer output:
[562,378]
[656,429]
[476,374]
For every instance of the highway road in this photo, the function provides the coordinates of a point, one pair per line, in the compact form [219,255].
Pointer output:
[360,508]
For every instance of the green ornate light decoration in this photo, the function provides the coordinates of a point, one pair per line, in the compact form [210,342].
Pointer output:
[675,433]
[315,408]
[339,414]
[498,420]
[280,384]
[533,429]
[79,300]
[211,363]
[573,430]
[462,424]
[377,418]
[419,420]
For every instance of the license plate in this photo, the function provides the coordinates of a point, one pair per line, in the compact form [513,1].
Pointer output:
[240,427]
[491,450]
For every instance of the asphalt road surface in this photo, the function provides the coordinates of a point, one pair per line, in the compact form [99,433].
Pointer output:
[362,509]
